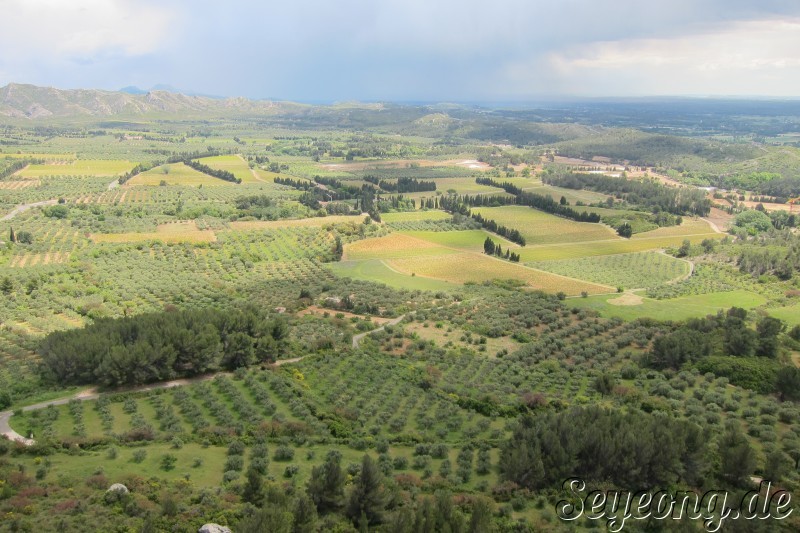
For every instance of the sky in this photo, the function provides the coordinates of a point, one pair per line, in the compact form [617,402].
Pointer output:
[408,50]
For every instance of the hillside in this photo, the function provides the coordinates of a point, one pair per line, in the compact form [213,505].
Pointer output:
[33,102]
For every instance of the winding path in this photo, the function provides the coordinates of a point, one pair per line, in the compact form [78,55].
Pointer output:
[93,394]
[358,338]
[24,207]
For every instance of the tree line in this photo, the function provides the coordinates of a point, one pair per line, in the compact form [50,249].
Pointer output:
[646,193]
[403,184]
[490,248]
[17,165]
[176,158]
[511,234]
[224,175]
[161,346]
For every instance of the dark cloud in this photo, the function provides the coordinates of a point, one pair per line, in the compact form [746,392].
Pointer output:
[401,49]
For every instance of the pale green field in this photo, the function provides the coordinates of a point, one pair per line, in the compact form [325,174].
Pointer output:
[471,240]
[475,267]
[789,314]
[231,163]
[609,247]
[177,174]
[413,216]
[636,270]
[78,167]
[573,196]
[674,309]
[376,270]
[690,226]
[539,227]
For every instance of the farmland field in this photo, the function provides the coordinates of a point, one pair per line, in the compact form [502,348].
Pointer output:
[174,174]
[607,247]
[539,227]
[376,270]
[464,268]
[78,167]
[636,270]
[170,233]
[394,245]
[232,163]
[674,309]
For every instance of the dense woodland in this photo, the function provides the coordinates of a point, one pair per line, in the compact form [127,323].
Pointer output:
[157,347]
[647,193]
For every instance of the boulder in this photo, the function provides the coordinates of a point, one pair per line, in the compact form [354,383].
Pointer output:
[214,528]
[118,487]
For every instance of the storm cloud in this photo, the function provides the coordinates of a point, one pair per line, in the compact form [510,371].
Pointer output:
[446,50]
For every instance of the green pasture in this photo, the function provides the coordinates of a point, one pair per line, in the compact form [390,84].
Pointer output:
[672,309]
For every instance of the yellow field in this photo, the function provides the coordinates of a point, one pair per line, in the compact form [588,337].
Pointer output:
[394,245]
[233,164]
[316,222]
[690,226]
[78,167]
[175,232]
[539,227]
[29,260]
[177,174]
[19,184]
[470,267]
[413,216]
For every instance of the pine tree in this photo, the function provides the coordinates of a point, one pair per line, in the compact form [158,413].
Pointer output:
[368,497]
[326,486]
[253,489]
[6,286]
[305,515]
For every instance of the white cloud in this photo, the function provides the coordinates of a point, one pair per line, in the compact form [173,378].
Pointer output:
[48,30]
[750,57]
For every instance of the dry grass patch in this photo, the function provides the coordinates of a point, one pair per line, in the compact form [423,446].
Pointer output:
[29,260]
[173,232]
[18,184]
[317,222]
[393,246]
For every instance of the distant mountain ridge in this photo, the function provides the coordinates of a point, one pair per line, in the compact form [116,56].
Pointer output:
[34,102]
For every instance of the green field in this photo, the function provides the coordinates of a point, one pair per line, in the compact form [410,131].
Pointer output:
[636,270]
[471,240]
[539,227]
[673,309]
[175,174]
[609,247]
[477,268]
[377,271]
[232,163]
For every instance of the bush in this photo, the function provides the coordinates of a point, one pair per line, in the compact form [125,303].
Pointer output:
[283,453]
[168,462]
[139,456]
